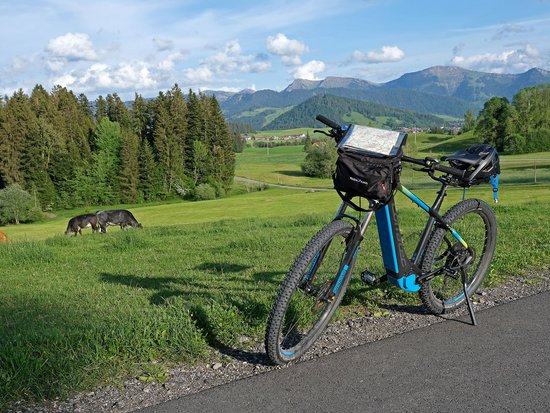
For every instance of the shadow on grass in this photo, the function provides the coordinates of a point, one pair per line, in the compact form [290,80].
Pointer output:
[218,267]
[291,173]
[163,286]
[212,306]
[202,319]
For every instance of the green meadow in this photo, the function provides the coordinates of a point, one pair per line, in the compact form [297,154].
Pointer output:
[78,312]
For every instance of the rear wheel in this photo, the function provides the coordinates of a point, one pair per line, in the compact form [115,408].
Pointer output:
[310,294]
[475,222]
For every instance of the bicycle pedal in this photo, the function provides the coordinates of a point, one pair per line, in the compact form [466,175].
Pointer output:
[370,278]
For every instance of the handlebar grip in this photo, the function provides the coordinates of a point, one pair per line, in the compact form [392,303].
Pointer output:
[327,122]
[453,171]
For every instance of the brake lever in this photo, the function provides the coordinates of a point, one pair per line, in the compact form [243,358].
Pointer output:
[323,132]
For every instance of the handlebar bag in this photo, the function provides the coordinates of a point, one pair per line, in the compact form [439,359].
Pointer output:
[367,176]
[368,164]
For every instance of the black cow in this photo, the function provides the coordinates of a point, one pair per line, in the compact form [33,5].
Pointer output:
[82,221]
[120,217]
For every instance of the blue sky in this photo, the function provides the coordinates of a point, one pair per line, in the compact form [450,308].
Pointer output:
[127,46]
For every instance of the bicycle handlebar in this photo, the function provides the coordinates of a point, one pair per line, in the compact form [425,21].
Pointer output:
[336,131]
[328,122]
[433,165]
[459,173]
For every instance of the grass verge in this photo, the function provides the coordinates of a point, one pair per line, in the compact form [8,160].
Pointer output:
[77,312]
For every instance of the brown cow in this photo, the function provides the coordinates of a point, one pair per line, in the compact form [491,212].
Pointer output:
[3,237]
[82,221]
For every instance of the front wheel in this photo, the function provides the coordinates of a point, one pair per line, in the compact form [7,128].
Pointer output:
[310,294]
[446,258]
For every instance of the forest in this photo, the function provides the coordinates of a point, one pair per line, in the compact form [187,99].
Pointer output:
[67,151]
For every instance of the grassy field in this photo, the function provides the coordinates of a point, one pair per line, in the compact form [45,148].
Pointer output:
[77,312]
[281,165]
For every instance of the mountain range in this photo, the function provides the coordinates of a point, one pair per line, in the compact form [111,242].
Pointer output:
[438,90]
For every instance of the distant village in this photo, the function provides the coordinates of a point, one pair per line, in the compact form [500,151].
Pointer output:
[453,128]
[249,137]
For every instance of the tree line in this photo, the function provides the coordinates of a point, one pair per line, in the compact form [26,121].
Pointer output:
[67,151]
[521,126]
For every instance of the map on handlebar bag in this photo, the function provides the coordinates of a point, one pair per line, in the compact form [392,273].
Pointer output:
[373,140]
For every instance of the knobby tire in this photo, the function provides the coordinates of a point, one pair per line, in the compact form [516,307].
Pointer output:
[299,315]
[475,221]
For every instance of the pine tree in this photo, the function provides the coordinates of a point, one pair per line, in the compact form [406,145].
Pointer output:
[195,128]
[221,142]
[85,106]
[100,108]
[118,112]
[139,114]
[178,118]
[40,146]
[17,124]
[74,125]
[106,161]
[168,149]
[129,168]
[150,177]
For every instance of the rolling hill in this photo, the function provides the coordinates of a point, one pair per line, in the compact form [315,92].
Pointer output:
[345,110]
[441,90]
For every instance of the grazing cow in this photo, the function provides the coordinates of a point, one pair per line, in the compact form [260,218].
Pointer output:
[120,217]
[3,237]
[82,221]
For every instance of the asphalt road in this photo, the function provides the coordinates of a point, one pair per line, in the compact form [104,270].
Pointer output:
[503,365]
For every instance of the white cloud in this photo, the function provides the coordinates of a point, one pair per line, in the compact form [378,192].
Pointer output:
[511,60]
[385,55]
[229,61]
[99,76]
[168,64]
[289,50]
[201,74]
[72,46]
[309,70]
[55,64]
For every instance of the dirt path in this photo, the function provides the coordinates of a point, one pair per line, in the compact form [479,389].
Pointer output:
[301,188]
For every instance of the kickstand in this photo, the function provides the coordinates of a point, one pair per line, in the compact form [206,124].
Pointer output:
[468,301]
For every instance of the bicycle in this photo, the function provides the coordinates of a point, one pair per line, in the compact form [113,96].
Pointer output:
[450,260]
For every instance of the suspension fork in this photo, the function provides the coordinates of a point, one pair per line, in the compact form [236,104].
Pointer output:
[352,248]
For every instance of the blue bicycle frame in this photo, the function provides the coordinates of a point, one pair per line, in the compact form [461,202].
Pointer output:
[400,270]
